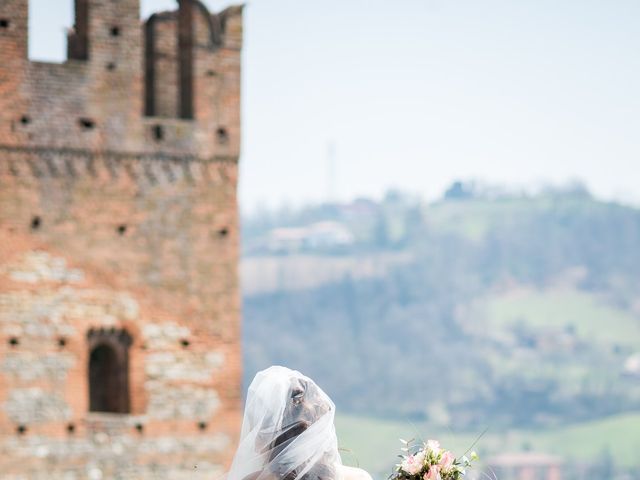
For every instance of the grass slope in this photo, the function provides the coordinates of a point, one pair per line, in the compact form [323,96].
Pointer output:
[373,443]
[560,308]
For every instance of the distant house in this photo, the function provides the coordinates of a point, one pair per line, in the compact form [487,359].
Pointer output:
[632,366]
[327,235]
[317,236]
[525,466]
[285,240]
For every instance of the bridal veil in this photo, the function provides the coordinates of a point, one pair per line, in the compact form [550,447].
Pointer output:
[288,430]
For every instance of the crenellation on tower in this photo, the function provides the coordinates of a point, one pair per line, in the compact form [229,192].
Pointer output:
[130,79]
[113,267]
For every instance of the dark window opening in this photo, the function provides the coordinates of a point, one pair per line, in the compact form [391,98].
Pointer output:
[185,343]
[25,120]
[14,342]
[185,58]
[202,426]
[71,428]
[21,429]
[62,342]
[78,39]
[111,66]
[158,133]
[223,135]
[150,66]
[140,428]
[109,371]
[87,123]
[115,31]
[36,223]
[4,23]
[182,60]
[223,232]
[122,229]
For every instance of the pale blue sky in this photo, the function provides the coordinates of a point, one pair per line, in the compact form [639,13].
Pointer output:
[416,93]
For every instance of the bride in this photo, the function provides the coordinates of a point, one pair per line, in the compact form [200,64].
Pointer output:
[288,432]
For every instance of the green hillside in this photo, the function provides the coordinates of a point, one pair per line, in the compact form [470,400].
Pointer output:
[585,314]
[373,444]
[510,311]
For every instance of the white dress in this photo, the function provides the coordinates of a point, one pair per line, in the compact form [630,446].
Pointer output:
[288,432]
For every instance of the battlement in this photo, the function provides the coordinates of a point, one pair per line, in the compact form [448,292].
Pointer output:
[170,85]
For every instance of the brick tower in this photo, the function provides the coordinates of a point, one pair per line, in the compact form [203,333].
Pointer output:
[119,293]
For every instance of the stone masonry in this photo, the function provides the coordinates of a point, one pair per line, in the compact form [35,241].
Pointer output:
[119,243]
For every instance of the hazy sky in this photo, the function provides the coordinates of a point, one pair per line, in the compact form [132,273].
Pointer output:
[413,94]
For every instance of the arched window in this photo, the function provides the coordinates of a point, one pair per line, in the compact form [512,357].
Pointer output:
[109,371]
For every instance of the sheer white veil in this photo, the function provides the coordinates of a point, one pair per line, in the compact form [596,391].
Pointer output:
[288,430]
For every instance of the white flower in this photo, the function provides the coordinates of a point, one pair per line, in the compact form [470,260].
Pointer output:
[433,446]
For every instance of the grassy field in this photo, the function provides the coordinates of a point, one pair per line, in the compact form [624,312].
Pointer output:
[563,308]
[473,219]
[373,444]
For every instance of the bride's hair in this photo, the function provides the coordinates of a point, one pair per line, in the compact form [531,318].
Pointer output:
[288,431]
[302,411]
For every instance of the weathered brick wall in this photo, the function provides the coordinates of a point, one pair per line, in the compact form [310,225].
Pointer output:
[113,220]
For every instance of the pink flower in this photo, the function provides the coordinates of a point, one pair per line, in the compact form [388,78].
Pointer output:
[413,463]
[446,461]
[433,473]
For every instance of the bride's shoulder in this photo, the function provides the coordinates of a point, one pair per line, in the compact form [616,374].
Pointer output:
[352,473]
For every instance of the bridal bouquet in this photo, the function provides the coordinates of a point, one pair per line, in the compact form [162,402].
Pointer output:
[427,461]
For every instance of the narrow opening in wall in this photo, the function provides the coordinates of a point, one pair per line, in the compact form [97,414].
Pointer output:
[49,23]
[62,342]
[4,23]
[111,66]
[186,14]
[202,426]
[36,223]
[71,428]
[25,120]
[86,123]
[222,134]
[21,429]
[115,31]
[158,133]
[223,232]
[109,370]
[122,229]
[14,342]
[185,343]
[78,37]
[140,428]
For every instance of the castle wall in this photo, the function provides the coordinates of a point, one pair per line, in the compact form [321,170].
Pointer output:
[112,220]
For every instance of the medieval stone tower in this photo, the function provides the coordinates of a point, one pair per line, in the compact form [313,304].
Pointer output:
[119,295]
